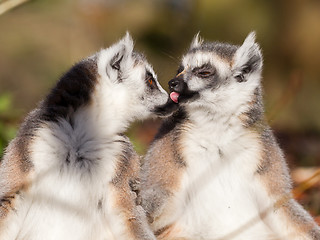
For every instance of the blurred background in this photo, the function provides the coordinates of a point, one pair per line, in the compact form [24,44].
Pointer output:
[41,39]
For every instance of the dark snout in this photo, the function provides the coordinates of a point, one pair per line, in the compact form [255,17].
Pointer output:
[183,94]
[177,85]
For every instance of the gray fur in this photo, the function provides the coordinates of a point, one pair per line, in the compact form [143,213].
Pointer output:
[59,140]
[160,186]
[224,50]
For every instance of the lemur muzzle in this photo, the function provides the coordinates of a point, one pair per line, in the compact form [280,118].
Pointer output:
[177,85]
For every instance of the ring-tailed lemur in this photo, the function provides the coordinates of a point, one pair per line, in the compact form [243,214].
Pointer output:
[215,170]
[70,173]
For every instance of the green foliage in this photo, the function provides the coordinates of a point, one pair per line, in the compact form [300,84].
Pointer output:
[139,146]
[7,126]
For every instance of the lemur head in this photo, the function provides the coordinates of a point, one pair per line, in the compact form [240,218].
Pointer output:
[220,76]
[130,79]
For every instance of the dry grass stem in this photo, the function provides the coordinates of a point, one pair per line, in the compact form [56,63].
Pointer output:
[10,4]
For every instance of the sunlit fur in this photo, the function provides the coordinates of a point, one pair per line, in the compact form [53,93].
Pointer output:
[215,170]
[71,173]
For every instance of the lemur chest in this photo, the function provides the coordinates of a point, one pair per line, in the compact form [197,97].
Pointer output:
[217,155]
[219,167]
[63,210]
[219,185]
[69,199]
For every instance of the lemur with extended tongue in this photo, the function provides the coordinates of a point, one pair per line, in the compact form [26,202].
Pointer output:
[71,173]
[215,170]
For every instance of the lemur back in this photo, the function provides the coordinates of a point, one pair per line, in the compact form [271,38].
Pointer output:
[71,173]
[215,170]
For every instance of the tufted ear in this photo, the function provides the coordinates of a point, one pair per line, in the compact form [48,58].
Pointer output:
[124,50]
[247,59]
[128,42]
[197,41]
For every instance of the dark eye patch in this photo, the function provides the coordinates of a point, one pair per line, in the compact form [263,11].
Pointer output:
[205,71]
[180,69]
[150,81]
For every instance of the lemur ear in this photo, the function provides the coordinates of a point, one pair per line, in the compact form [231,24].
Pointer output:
[128,42]
[197,41]
[124,51]
[247,59]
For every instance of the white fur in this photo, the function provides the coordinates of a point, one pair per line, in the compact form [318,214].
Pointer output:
[126,96]
[247,50]
[62,201]
[221,195]
[197,41]
[209,208]
[230,98]
[197,59]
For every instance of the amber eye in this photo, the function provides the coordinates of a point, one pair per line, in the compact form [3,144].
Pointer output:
[149,79]
[204,73]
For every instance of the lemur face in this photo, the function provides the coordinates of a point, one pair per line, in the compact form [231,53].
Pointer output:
[221,75]
[131,78]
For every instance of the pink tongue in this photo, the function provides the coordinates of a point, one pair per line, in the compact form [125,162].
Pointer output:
[174,96]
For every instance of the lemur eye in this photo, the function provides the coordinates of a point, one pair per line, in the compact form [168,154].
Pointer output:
[204,73]
[149,79]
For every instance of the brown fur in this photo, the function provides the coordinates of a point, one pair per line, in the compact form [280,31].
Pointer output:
[15,168]
[169,233]
[125,185]
[166,175]
[254,115]
[274,175]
